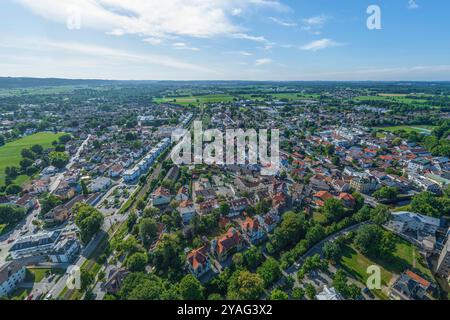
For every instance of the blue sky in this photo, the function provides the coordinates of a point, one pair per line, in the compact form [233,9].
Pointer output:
[225,39]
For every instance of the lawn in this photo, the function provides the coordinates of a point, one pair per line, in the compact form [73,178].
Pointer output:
[35,275]
[406,257]
[10,153]
[197,100]
[418,129]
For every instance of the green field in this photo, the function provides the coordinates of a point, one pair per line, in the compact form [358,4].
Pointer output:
[406,256]
[393,98]
[36,275]
[10,153]
[196,100]
[418,129]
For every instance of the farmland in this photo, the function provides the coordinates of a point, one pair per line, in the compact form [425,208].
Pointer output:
[10,154]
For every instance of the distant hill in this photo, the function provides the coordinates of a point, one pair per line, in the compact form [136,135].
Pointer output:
[13,83]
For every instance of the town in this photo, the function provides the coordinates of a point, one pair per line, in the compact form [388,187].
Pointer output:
[88,182]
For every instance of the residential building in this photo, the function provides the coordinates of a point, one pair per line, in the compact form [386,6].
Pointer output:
[409,286]
[329,294]
[404,221]
[198,261]
[11,274]
[35,245]
[161,197]
[443,265]
[229,243]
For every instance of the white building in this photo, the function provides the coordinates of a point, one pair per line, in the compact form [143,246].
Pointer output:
[65,250]
[443,266]
[35,245]
[329,294]
[408,221]
[11,274]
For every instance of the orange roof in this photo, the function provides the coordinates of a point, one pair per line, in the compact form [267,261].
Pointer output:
[323,195]
[417,278]
[346,197]
[197,257]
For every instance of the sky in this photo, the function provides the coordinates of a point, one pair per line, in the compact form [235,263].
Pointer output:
[225,39]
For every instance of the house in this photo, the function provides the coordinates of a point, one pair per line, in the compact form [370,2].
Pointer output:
[269,221]
[186,210]
[321,197]
[229,243]
[11,274]
[329,294]
[161,197]
[64,191]
[48,171]
[100,184]
[238,206]
[347,199]
[207,207]
[28,202]
[115,171]
[409,286]
[364,185]
[404,221]
[198,261]
[419,164]
[182,194]
[206,194]
[252,229]
[115,279]
[132,174]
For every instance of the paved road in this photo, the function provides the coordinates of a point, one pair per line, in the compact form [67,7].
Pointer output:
[76,156]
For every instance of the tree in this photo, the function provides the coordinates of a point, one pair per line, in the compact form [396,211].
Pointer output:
[290,230]
[333,209]
[238,259]
[49,201]
[84,188]
[37,149]
[332,251]
[298,293]
[88,219]
[244,285]
[64,138]
[148,230]
[428,204]
[269,271]
[168,257]
[386,193]
[191,288]
[277,294]
[340,283]
[2,140]
[25,163]
[13,189]
[11,214]
[253,257]
[372,240]
[380,215]
[137,262]
[58,159]
[86,280]
[140,286]
[27,153]
[310,291]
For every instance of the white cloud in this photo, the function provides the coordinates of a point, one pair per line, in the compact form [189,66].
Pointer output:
[315,21]
[283,23]
[90,50]
[412,4]
[248,37]
[261,62]
[153,41]
[183,46]
[320,45]
[152,18]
